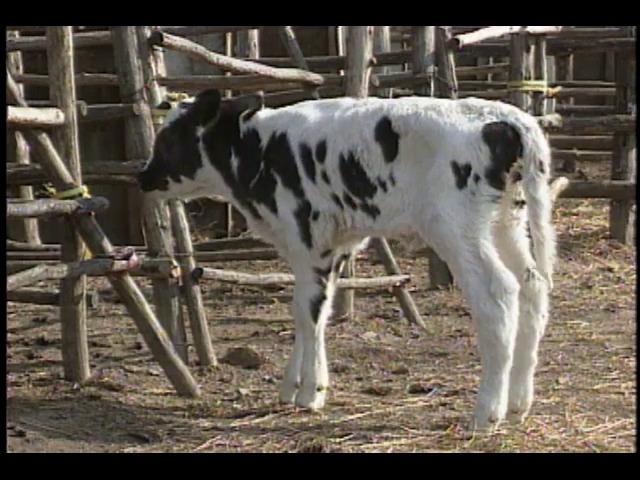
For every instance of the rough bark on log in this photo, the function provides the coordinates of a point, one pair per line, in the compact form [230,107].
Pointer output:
[34,117]
[51,207]
[192,293]
[274,279]
[232,64]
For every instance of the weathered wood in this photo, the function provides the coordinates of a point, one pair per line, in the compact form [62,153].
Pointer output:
[106,112]
[238,255]
[80,40]
[556,46]
[482,69]
[407,305]
[99,244]
[288,37]
[602,143]
[177,219]
[462,40]
[359,54]
[142,266]
[581,156]
[81,79]
[93,267]
[275,279]
[193,83]
[540,105]
[27,228]
[194,31]
[35,247]
[149,256]
[623,166]
[521,69]
[618,190]
[140,136]
[51,207]
[381,44]
[139,132]
[19,174]
[230,243]
[73,315]
[248,43]
[41,297]
[192,293]
[151,61]
[358,72]
[232,64]
[567,109]
[447,81]
[424,57]
[34,117]
[589,125]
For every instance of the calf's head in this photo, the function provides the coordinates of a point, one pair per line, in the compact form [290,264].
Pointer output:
[177,166]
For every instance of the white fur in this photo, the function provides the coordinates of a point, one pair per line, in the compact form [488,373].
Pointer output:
[485,244]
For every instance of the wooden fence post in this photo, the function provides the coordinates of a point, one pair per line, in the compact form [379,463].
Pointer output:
[424,50]
[73,315]
[180,224]
[139,145]
[359,52]
[623,166]
[382,44]
[28,227]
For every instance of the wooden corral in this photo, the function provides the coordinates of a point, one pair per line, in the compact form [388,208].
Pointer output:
[121,73]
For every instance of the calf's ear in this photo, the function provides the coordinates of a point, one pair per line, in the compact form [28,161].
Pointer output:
[250,102]
[206,106]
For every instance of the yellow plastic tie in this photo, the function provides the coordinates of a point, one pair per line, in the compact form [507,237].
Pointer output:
[533,86]
[77,192]
[159,114]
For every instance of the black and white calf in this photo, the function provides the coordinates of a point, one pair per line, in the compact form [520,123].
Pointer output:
[318,177]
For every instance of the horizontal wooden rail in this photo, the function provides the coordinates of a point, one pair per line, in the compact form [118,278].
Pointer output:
[611,189]
[488,33]
[52,207]
[231,64]
[272,279]
[29,117]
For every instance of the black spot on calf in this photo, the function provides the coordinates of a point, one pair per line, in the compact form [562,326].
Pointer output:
[306,158]
[388,139]
[279,157]
[348,199]
[355,177]
[461,174]
[325,177]
[337,201]
[303,219]
[505,145]
[382,184]
[316,305]
[371,210]
[321,152]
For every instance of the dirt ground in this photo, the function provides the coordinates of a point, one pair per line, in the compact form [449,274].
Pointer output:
[395,387]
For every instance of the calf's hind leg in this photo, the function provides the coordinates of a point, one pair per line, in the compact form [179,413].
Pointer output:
[515,250]
[492,293]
